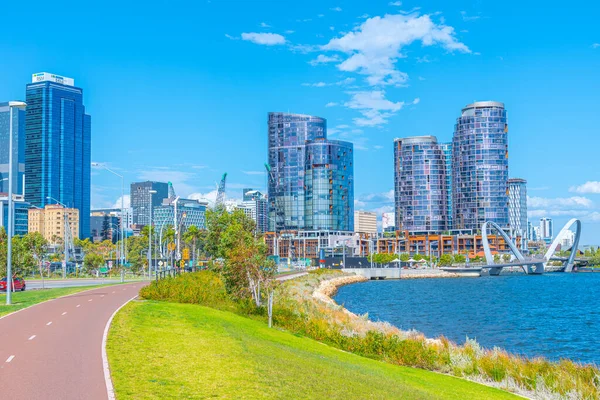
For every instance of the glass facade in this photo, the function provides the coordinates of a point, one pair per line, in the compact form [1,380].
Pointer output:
[447,151]
[420,186]
[18,118]
[517,209]
[58,148]
[329,186]
[189,212]
[21,209]
[142,199]
[480,166]
[298,146]
[256,206]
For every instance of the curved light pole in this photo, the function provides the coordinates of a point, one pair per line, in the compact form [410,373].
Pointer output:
[99,165]
[150,192]
[20,105]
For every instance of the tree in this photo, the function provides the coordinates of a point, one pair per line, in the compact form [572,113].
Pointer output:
[506,257]
[105,234]
[192,236]
[93,261]
[445,260]
[459,259]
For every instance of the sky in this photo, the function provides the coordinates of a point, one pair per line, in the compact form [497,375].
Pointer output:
[180,90]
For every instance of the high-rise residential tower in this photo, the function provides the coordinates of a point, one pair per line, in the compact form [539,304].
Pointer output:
[18,120]
[311,184]
[58,146]
[257,207]
[480,166]
[546,230]
[447,151]
[420,187]
[517,209]
[143,201]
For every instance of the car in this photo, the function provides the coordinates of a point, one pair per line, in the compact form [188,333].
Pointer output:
[19,284]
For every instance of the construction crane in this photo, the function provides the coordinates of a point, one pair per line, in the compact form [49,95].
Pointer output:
[221,192]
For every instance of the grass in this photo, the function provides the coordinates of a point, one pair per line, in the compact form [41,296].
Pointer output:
[163,350]
[28,298]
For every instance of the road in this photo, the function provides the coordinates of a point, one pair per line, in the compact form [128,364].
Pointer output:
[54,350]
[50,284]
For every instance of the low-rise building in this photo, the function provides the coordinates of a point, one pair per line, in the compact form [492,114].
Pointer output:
[50,222]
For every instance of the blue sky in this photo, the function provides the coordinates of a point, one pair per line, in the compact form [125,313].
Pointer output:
[180,90]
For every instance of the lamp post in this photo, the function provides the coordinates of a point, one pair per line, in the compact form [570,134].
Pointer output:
[150,192]
[122,250]
[9,286]
[67,226]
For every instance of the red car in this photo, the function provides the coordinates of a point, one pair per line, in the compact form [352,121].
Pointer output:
[18,283]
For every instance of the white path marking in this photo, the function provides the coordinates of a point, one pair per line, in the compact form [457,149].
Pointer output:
[101,295]
[32,337]
[49,323]
[64,313]
[90,299]
[114,291]
[78,305]
[9,359]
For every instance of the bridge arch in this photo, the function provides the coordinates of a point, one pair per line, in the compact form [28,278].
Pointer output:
[489,258]
[554,245]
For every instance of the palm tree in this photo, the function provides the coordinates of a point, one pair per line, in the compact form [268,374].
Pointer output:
[193,235]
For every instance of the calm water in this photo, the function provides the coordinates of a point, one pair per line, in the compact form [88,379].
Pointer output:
[553,315]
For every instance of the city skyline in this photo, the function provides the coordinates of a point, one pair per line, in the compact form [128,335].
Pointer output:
[536,143]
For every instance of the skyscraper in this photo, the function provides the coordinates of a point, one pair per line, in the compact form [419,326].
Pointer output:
[58,146]
[480,166]
[546,230]
[312,180]
[142,201]
[18,148]
[256,204]
[517,209]
[420,187]
[447,151]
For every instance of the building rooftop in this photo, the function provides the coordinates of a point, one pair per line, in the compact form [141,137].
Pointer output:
[48,77]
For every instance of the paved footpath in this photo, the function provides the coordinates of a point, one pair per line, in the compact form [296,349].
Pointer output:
[54,350]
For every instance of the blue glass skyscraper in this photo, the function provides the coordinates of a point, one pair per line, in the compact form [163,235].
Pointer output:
[312,185]
[480,166]
[58,146]
[18,147]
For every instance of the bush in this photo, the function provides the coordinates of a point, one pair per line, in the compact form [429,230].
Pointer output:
[205,288]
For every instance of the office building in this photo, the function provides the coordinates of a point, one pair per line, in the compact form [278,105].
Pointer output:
[447,152]
[21,214]
[58,146]
[18,122]
[365,222]
[105,225]
[50,222]
[517,209]
[189,212]
[546,231]
[142,201]
[480,166]
[116,212]
[311,183]
[420,187]
[257,208]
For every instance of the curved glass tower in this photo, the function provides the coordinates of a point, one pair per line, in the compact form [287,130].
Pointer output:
[329,186]
[311,183]
[420,187]
[480,166]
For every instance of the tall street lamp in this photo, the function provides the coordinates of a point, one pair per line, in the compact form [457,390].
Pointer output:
[150,192]
[122,249]
[67,226]
[21,106]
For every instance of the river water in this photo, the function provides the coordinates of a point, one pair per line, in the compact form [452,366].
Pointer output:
[555,315]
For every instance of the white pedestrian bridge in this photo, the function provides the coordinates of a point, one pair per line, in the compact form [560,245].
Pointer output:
[529,265]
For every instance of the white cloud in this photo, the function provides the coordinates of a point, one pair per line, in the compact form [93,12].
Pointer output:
[267,39]
[364,16]
[424,59]
[254,172]
[264,25]
[416,101]
[374,107]
[343,126]
[395,3]
[126,202]
[289,32]
[321,15]
[588,187]
[374,47]
[378,147]
[211,197]
[558,203]
[337,9]
[322,59]
[317,84]
[421,78]
[331,104]
[595,45]
[228,36]
[468,18]
[332,28]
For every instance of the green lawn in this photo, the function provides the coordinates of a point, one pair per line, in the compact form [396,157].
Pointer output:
[30,297]
[179,351]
